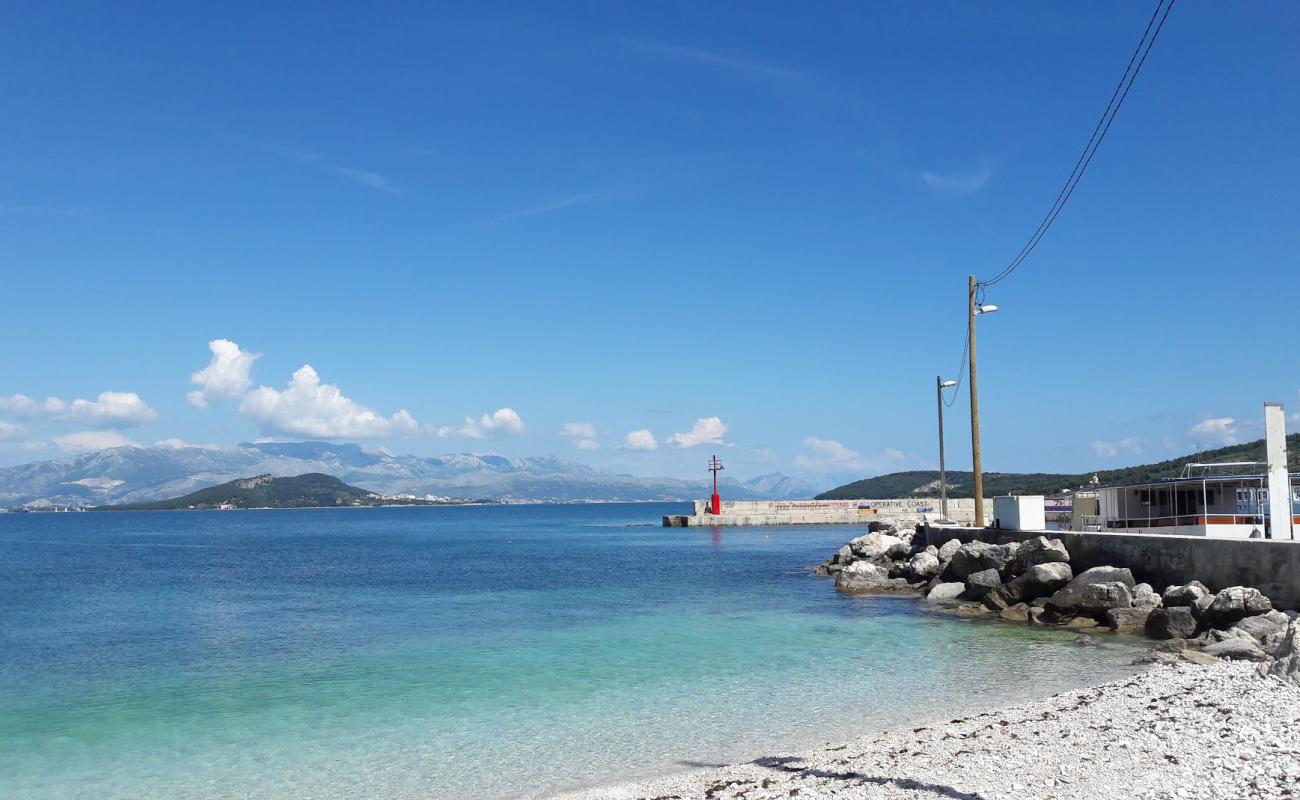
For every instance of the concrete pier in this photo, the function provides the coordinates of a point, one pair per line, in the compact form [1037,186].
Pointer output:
[815,512]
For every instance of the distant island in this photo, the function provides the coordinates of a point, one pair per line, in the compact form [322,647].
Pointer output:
[311,490]
[925,483]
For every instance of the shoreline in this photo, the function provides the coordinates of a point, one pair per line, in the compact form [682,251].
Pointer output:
[1174,730]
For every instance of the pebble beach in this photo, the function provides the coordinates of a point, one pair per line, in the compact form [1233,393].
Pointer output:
[1178,730]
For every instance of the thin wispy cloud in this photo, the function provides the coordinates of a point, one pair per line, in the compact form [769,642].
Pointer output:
[720,60]
[957,184]
[572,201]
[362,177]
[367,178]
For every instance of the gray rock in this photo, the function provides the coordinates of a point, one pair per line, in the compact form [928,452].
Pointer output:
[1017,613]
[949,548]
[863,576]
[923,565]
[1107,575]
[1147,601]
[932,550]
[981,583]
[1233,604]
[1171,623]
[878,545]
[1040,551]
[946,591]
[1200,604]
[843,556]
[1105,596]
[1128,620]
[976,557]
[972,610]
[1184,595]
[1079,594]
[1035,615]
[1242,648]
[1287,652]
[1263,626]
[1039,580]
[1142,590]
[994,601]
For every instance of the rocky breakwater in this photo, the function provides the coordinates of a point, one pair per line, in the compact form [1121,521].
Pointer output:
[1033,583]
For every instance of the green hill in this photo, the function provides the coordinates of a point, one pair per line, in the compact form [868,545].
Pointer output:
[926,482]
[312,490]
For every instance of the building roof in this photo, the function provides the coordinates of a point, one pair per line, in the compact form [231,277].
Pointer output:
[1295,476]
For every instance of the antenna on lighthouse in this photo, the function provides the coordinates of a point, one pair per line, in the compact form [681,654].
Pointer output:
[715,506]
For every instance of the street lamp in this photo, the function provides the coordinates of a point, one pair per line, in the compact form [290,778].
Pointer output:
[975,309]
[939,385]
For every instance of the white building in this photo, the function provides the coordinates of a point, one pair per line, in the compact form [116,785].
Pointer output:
[1229,506]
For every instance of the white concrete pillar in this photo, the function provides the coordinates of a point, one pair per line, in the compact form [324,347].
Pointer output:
[1279,481]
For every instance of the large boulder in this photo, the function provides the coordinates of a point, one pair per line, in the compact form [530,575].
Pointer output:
[981,583]
[1105,596]
[1234,604]
[1128,620]
[1240,648]
[1177,622]
[1039,580]
[877,546]
[863,576]
[1079,593]
[1145,596]
[946,591]
[842,556]
[1040,551]
[923,566]
[976,557]
[1263,626]
[1286,667]
[1017,613]
[1185,595]
[949,549]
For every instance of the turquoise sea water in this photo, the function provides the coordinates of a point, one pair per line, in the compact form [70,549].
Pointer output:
[454,652]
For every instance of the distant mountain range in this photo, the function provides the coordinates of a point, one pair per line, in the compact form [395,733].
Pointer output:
[146,474]
[925,483]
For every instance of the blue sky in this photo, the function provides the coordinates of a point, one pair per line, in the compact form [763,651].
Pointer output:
[539,228]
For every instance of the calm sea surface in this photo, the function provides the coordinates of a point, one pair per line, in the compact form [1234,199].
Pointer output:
[454,652]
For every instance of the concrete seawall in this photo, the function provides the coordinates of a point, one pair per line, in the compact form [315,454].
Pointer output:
[1269,566]
[815,512]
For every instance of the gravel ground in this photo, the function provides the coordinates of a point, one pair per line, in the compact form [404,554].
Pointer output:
[1177,731]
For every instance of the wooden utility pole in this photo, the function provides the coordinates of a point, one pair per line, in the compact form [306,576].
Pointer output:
[975,411]
[943,476]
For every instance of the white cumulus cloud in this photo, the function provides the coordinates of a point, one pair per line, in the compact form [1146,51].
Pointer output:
[503,421]
[1219,431]
[707,430]
[579,430]
[8,430]
[228,374]
[108,410]
[1129,445]
[640,439]
[830,455]
[92,440]
[584,434]
[308,407]
[175,443]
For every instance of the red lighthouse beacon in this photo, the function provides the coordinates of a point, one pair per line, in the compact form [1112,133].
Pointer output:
[715,506]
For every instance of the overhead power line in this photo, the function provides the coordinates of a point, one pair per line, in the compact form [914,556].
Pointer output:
[1135,62]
